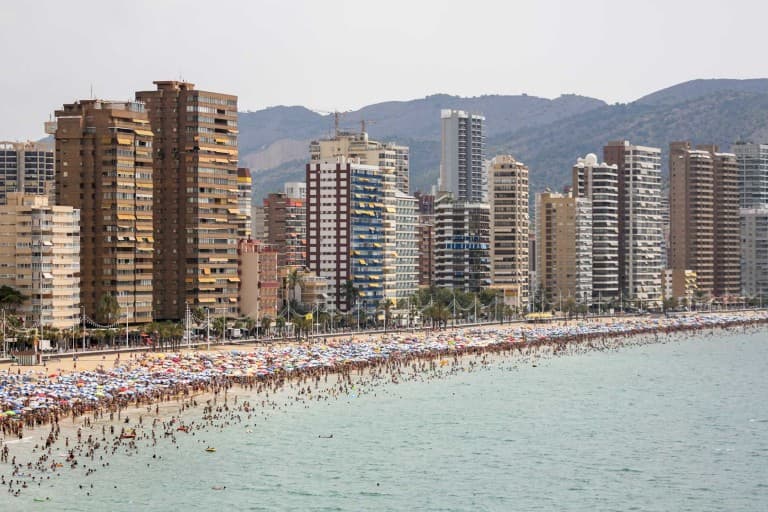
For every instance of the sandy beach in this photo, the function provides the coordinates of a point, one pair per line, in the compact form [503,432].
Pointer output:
[51,421]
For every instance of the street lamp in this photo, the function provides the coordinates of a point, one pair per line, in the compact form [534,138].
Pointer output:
[208,327]
[82,311]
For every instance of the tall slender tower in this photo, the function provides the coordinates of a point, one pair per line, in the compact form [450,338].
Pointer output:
[691,207]
[508,196]
[345,231]
[196,199]
[704,220]
[104,162]
[599,182]
[727,282]
[462,156]
[640,228]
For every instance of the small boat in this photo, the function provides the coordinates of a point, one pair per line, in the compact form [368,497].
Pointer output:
[210,449]
[128,434]
[183,428]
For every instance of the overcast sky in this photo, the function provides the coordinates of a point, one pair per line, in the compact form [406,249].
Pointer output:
[334,54]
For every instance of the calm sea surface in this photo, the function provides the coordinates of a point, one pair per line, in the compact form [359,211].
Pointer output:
[677,426]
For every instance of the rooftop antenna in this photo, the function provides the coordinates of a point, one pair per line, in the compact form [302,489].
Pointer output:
[91,90]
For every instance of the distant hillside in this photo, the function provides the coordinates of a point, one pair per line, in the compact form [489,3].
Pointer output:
[694,89]
[720,118]
[274,141]
[548,135]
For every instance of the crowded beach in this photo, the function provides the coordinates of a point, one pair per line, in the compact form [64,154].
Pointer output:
[88,409]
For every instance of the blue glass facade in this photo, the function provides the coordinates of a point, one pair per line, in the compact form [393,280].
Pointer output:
[367,236]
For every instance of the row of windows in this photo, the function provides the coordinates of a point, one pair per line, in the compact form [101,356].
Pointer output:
[231,102]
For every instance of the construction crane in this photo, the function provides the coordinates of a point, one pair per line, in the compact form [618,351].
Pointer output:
[336,118]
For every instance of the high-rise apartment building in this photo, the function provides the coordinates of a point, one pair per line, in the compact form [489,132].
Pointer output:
[26,167]
[40,257]
[244,200]
[389,157]
[509,221]
[704,221]
[640,229]
[599,182]
[195,199]
[564,248]
[462,155]
[104,169]
[752,162]
[345,231]
[462,244]
[691,207]
[285,221]
[754,252]
[752,159]
[426,238]
[727,229]
[406,255]
[392,161]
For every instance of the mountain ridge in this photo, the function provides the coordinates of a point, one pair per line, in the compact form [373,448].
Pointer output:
[546,134]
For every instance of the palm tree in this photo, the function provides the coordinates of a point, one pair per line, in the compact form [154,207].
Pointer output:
[107,310]
[176,332]
[218,324]
[293,279]
[350,294]
[11,298]
[266,322]
[249,324]
[386,306]
[280,324]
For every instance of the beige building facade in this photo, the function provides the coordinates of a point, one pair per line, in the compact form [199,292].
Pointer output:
[564,248]
[509,221]
[40,257]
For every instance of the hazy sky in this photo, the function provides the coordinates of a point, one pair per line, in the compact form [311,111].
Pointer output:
[337,54]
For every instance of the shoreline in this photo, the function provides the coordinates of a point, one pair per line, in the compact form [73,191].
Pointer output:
[48,449]
[45,397]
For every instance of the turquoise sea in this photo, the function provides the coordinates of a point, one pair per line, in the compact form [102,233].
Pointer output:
[676,426]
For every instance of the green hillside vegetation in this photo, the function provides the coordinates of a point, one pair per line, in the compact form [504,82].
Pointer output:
[548,135]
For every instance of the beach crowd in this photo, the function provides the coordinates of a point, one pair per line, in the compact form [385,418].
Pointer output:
[44,400]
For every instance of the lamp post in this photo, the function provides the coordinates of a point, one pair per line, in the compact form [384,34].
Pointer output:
[208,327]
[454,307]
[82,310]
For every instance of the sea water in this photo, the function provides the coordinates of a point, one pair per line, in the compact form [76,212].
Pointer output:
[673,426]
